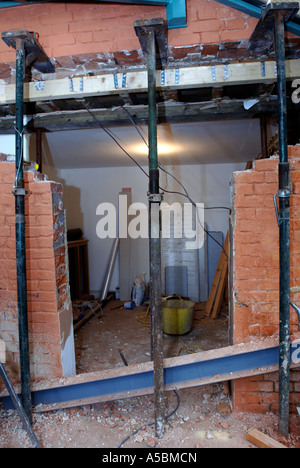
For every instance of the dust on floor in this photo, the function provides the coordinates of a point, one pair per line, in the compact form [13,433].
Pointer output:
[99,342]
[203,416]
[199,422]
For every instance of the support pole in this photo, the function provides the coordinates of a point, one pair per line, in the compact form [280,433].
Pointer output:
[270,31]
[153,40]
[19,192]
[155,243]
[284,229]
[19,408]
[28,52]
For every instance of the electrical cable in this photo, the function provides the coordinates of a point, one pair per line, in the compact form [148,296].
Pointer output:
[151,424]
[115,140]
[169,173]
[21,157]
[142,169]
[182,186]
[135,125]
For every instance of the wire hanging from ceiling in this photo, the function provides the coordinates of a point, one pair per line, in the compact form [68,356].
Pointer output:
[185,194]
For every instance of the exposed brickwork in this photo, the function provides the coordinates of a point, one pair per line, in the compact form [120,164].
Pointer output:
[47,278]
[95,38]
[256,272]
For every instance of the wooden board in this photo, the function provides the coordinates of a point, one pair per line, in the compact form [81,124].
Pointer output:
[2,351]
[221,290]
[174,112]
[136,81]
[262,440]
[218,287]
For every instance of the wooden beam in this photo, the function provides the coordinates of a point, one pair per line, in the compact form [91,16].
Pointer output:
[136,81]
[262,440]
[166,112]
[218,286]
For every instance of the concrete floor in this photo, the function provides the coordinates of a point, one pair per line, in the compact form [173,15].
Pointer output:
[115,332]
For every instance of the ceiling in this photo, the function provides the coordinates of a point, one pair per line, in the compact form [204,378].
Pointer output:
[178,143]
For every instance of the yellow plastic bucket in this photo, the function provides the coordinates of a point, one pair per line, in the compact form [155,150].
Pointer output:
[177,316]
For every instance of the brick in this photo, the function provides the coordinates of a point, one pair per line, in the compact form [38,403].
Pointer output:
[42,285]
[40,231]
[251,273]
[271,177]
[248,177]
[268,284]
[255,330]
[268,330]
[266,189]
[244,189]
[58,15]
[270,164]
[247,284]
[294,151]
[84,26]
[266,215]
[249,227]
[256,407]
[236,23]
[210,37]
[235,35]
[296,187]
[206,26]
[257,253]
[272,296]
[249,201]
[205,11]
[54,29]
[5,71]
[226,12]
[295,375]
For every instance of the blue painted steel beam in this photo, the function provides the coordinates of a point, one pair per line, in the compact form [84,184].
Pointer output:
[176,14]
[176,9]
[9,4]
[255,10]
[244,6]
[197,369]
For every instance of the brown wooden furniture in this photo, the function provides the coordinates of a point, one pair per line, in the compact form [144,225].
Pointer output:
[79,268]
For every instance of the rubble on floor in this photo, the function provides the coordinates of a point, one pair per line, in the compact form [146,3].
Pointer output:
[203,416]
[196,424]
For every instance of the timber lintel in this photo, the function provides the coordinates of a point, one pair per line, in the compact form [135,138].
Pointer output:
[166,112]
[136,81]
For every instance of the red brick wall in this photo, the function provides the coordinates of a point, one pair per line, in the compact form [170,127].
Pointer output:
[66,29]
[256,272]
[49,313]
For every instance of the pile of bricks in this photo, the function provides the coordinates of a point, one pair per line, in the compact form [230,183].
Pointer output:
[256,272]
[49,312]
